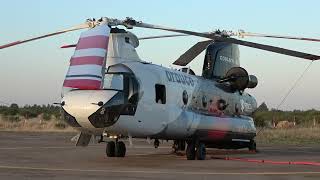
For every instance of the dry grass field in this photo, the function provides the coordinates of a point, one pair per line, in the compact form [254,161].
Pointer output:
[34,124]
[292,136]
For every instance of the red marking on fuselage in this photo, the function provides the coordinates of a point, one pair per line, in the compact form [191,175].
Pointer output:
[214,110]
[216,134]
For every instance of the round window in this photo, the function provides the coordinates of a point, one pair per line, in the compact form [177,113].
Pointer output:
[204,101]
[185,97]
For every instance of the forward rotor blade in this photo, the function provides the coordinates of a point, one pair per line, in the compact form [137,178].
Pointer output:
[191,53]
[78,27]
[249,34]
[270,48]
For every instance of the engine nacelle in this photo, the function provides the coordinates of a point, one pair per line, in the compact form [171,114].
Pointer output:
[239,79]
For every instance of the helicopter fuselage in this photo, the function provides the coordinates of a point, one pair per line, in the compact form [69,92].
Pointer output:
[170,104]
[145,100]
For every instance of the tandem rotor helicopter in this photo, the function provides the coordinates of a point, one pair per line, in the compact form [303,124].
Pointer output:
[110,92]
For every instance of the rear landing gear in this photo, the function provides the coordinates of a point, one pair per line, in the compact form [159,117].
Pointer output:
[252,146]
[196,150]
[191,151]
[179,145]
[116,149]
[201,151]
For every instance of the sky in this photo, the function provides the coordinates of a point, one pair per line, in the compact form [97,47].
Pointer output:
[33,73]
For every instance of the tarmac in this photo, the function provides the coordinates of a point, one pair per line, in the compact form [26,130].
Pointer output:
[39,155]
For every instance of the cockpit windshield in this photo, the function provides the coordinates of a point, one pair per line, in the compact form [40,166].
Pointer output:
[113,81]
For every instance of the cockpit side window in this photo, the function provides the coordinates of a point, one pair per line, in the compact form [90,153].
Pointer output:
[133,93]
[113,81]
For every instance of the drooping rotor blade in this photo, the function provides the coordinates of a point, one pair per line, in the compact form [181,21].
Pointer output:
[249,34]
[74,28]
[218,37]
[163,36]
[191,53]
[270,48]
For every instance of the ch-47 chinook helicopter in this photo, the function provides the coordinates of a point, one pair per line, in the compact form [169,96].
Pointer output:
[109,90]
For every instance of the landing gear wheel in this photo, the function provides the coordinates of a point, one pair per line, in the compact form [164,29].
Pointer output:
[252,146]
[201,151]
[179,145]
[120,149]
[182,145]
[110,149]
[191,151]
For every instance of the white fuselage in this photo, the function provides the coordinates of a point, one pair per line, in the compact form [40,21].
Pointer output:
[168,118]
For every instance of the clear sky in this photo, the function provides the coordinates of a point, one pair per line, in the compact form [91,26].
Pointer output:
[33,73]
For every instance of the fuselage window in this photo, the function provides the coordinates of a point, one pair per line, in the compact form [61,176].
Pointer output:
[160,94]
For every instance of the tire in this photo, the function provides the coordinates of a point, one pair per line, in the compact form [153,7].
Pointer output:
[110,149]
[201,152]
[191,152]
[252,146]
[120,150]
[182,145]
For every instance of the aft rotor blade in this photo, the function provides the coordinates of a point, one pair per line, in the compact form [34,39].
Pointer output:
[249,34]
[217,37]
[162,36]
[191,53]
[270,48]
[78,27]
[130,22]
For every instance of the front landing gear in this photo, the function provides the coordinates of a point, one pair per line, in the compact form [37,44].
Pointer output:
[120,150]
[110,149]
[116,149]
[196,150]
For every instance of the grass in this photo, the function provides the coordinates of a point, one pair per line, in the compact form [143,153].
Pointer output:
[292,136]
[34,125]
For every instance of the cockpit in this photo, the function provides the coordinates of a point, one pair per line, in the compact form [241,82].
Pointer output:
[124,102]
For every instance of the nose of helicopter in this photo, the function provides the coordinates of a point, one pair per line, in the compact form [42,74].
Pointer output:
[87,108]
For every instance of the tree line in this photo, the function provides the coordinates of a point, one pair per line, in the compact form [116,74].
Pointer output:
[14,112]
[262,116]
[265,117]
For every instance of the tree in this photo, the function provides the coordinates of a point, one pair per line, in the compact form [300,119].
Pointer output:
[263,107]
[12,110]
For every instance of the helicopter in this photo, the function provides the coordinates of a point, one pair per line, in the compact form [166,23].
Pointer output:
[109,92]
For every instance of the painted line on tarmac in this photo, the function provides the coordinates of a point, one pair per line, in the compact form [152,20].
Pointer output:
[158,172]
[50,147]
[65,147]
[290,151]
